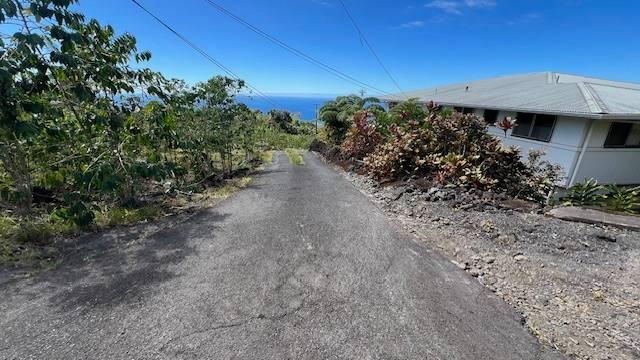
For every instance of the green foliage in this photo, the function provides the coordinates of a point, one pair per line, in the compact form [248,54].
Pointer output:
[337,115]
[294,156]
[79,133]
[269,137]
[623,199]
[588,192]
[401,114]
[124,216]
[266,157]
[612,197]
[283,120]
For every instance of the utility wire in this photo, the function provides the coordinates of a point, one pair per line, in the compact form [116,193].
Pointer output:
[364,40]
[330,69]
[206,55]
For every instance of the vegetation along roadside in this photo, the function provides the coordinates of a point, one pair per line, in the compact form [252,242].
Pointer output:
[90,137]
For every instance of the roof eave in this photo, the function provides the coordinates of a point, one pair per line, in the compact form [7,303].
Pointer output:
[597,116]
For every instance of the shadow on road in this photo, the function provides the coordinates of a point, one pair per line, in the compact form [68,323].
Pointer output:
[125,264]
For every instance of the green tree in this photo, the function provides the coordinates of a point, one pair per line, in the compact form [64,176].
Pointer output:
[283,120]
[337,115]
[226,122]
[402,113]
[61,106]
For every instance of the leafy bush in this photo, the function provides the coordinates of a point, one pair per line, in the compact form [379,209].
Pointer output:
[337,115]
[542,175]
[405,154]
[401,114]
[588,192]
[611,197]
[456,149]
[363,137]
[79,133]
[623,199]
[283,120]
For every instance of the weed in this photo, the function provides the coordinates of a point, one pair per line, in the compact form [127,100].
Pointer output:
[588,192]
[622,199]
[611,197]
[267,157]
[295,157]
[126,216]
[230,187]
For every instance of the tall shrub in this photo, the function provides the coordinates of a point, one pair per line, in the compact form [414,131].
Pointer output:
[456,149]
[337,115]
[363,137]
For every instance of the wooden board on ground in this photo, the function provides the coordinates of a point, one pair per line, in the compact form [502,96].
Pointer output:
[592,216]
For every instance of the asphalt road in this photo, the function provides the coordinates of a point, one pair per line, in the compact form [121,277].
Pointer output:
[298,266]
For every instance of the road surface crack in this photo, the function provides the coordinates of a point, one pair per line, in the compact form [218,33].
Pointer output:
[238,323]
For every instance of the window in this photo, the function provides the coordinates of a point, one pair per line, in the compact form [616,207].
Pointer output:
[623,135]
[464,110]
[490,117]
[534,126]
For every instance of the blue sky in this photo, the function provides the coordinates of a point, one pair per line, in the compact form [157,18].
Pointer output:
[423,43]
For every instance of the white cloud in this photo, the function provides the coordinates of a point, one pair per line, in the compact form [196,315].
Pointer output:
[480,3]
[458,6]
[452,7]
[412,24]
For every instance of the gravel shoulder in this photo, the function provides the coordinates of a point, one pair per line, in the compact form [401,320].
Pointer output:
[576,285]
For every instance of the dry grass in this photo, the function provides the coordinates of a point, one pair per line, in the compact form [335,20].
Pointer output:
[295,157]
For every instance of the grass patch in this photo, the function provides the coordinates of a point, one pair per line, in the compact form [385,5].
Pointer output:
[126,216]
[26,243]
[278,140]
[266,157]
[230,187]
[37,231]
[294,156]
[29,243]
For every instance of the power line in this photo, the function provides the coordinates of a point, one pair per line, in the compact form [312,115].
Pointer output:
[291,49]
[364,40]
[205,54]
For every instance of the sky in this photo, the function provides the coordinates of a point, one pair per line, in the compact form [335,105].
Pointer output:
[421,43]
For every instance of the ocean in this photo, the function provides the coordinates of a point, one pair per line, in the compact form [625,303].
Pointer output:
[305,107]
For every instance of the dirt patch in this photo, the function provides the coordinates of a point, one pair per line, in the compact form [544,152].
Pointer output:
[576,285]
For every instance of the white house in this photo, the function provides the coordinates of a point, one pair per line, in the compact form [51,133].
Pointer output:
[591,127]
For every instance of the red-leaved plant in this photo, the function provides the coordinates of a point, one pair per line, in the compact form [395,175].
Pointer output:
[506,124]
[457,149]
[363,137]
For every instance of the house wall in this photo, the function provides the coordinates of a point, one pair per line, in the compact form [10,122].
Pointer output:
[563,148]
[607,165]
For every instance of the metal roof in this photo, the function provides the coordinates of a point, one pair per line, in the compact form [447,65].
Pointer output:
[544,92]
